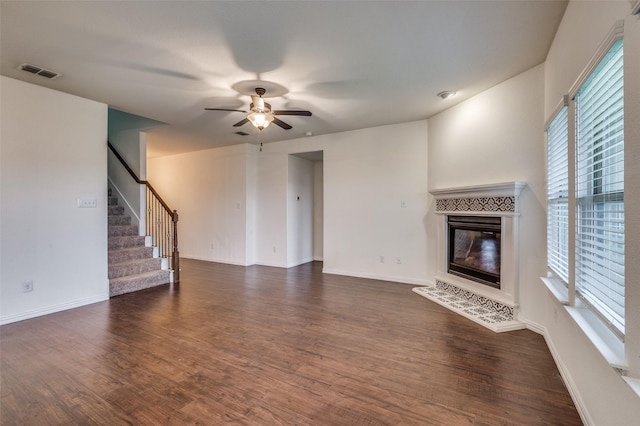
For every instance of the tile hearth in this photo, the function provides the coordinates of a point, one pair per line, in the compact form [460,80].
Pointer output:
[494,315]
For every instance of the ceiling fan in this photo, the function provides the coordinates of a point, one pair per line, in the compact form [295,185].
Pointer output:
[260,113]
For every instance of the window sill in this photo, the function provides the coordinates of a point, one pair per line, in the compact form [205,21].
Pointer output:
[607,343]
[633,383]
[611,348]
[557,289]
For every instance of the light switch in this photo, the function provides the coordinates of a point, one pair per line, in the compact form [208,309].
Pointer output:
[87,203]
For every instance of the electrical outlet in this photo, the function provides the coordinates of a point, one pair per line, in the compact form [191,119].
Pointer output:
[274,249]
[381,259]
[398,261]
[27,286]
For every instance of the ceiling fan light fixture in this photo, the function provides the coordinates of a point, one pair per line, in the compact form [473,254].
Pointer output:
[260,120]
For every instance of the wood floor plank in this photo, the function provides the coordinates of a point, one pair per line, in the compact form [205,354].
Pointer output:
[271,346]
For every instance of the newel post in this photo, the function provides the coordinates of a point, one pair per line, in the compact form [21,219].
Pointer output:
[176,254]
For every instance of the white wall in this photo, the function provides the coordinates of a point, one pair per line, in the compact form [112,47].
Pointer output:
[602,394]
[131,195]
[299,211]
[375,203]
[209,190]
[126,134]
[497,136]
[271,207]
[53,151]
[368,174]
[318,210]
[251,173]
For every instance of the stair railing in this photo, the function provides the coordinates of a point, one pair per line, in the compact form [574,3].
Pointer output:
[162,221]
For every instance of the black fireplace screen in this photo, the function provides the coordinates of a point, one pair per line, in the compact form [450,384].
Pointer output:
[474,248]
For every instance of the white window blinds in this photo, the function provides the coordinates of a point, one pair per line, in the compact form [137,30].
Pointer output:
[600,188]
[558,195]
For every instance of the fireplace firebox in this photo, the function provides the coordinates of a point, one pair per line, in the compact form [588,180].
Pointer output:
[474,248]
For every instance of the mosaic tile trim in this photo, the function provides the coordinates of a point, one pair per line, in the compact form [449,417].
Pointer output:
[472,311]
[478,204]
[484,303]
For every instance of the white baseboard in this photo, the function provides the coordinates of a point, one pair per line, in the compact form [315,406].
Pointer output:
[393,278]
[212,259]
[300,262]
[564,372]
[272,265]
[52,309]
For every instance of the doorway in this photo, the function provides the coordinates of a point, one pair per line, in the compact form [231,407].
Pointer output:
[305,207]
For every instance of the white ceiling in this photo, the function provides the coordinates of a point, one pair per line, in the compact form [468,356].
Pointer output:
[354,64]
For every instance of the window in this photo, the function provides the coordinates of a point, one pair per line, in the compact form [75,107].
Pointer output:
[558,195]
[599,109]
[596,197]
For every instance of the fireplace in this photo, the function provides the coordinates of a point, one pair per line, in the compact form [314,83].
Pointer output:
[474,248]
[476,253]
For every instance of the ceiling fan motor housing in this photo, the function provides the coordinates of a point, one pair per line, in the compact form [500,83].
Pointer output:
[266,109]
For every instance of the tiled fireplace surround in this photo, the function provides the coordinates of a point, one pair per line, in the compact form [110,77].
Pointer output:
[496,309]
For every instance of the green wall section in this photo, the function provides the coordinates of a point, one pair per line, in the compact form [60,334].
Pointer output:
[120,121]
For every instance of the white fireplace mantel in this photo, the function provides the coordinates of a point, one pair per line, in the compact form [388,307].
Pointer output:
[498,198]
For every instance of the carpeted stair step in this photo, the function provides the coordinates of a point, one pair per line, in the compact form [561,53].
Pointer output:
[122,230]
[118,286]
[134,267]
[126,241]
[116,210]
[119,220]
[129,254]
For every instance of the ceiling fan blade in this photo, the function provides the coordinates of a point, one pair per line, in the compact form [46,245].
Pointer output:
[291,112]
[241,122]
[281,123]
[224,109]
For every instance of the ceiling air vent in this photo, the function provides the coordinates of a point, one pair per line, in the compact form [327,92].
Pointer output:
[39,71]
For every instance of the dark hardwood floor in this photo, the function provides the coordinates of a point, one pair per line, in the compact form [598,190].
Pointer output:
[270,346]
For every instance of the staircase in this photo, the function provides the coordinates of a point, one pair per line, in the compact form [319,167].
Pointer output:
[132,265]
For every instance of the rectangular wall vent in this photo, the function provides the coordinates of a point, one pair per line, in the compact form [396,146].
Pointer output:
[39,71]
